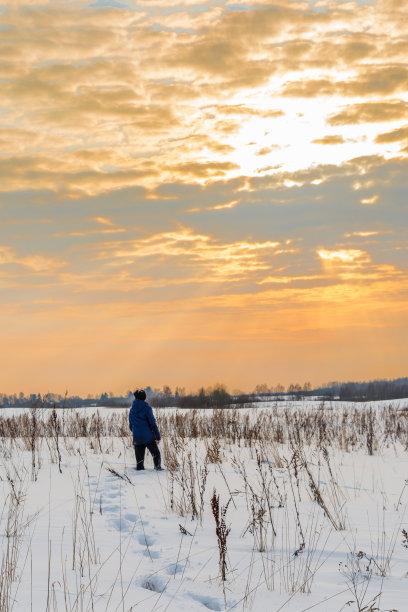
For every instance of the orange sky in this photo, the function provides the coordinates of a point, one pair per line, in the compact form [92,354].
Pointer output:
[197,192]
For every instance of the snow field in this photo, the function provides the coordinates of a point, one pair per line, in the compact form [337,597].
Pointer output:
[312,527]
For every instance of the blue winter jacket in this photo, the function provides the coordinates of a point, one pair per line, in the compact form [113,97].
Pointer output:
[142,423]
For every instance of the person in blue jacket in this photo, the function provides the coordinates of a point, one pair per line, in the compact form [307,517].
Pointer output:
[145,431]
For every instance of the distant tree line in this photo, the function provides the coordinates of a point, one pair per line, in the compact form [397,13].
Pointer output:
[374,390]
[218,396]
[212,397]
[49,400]
[365,391]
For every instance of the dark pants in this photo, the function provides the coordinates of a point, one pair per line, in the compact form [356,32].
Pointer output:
[140,454]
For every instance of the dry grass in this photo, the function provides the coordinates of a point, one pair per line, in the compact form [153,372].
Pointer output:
[288,450]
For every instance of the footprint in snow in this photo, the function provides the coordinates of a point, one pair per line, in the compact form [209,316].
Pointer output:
[113,494]
[120,524]
[154,583]
[145,539]
[151,554]
[174,568]
[211,603]
[111,508]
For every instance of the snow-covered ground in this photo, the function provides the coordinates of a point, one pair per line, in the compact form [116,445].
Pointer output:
[312,527]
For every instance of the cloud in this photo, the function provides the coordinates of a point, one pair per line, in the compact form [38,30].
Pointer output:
[392,6]
[91,108]
[376,112]
[103,220]
[231,214]
[361,234]
[229,43]
[222,260]
[394,136]
[13,140]
[343,256]
[369,81]
[118,97]
[35,262]
[371,200]
[264,151]
[330,139]
[200,170]
[286,280]
[67,176]
[310,89]
[334,51]
[246,111]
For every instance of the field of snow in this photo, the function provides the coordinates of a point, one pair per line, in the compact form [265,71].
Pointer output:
[297,507]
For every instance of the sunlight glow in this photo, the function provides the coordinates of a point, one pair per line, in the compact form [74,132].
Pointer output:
[343,255]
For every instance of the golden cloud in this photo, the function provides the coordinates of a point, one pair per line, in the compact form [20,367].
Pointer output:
[370,112]
[264,151]
[67,176]
[223,260]
[393,136]
[370,201]
[230,41]
[330,139]
[361,234]
[103,221]
[286,280]
[382,80]
[35,262]
[202,170]
[329,51]
[14,140]
[343,256]
[90,109]
[247,111]
[310,89]
[230,204]
[392,5]
[109,98]
[196,144]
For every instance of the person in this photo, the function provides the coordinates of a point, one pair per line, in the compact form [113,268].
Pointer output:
[144,429]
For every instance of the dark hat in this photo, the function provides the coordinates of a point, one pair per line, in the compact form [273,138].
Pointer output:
[140,394]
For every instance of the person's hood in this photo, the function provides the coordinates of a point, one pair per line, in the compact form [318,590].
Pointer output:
[139,405]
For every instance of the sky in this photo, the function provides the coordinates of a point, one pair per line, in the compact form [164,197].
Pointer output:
[199,192]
